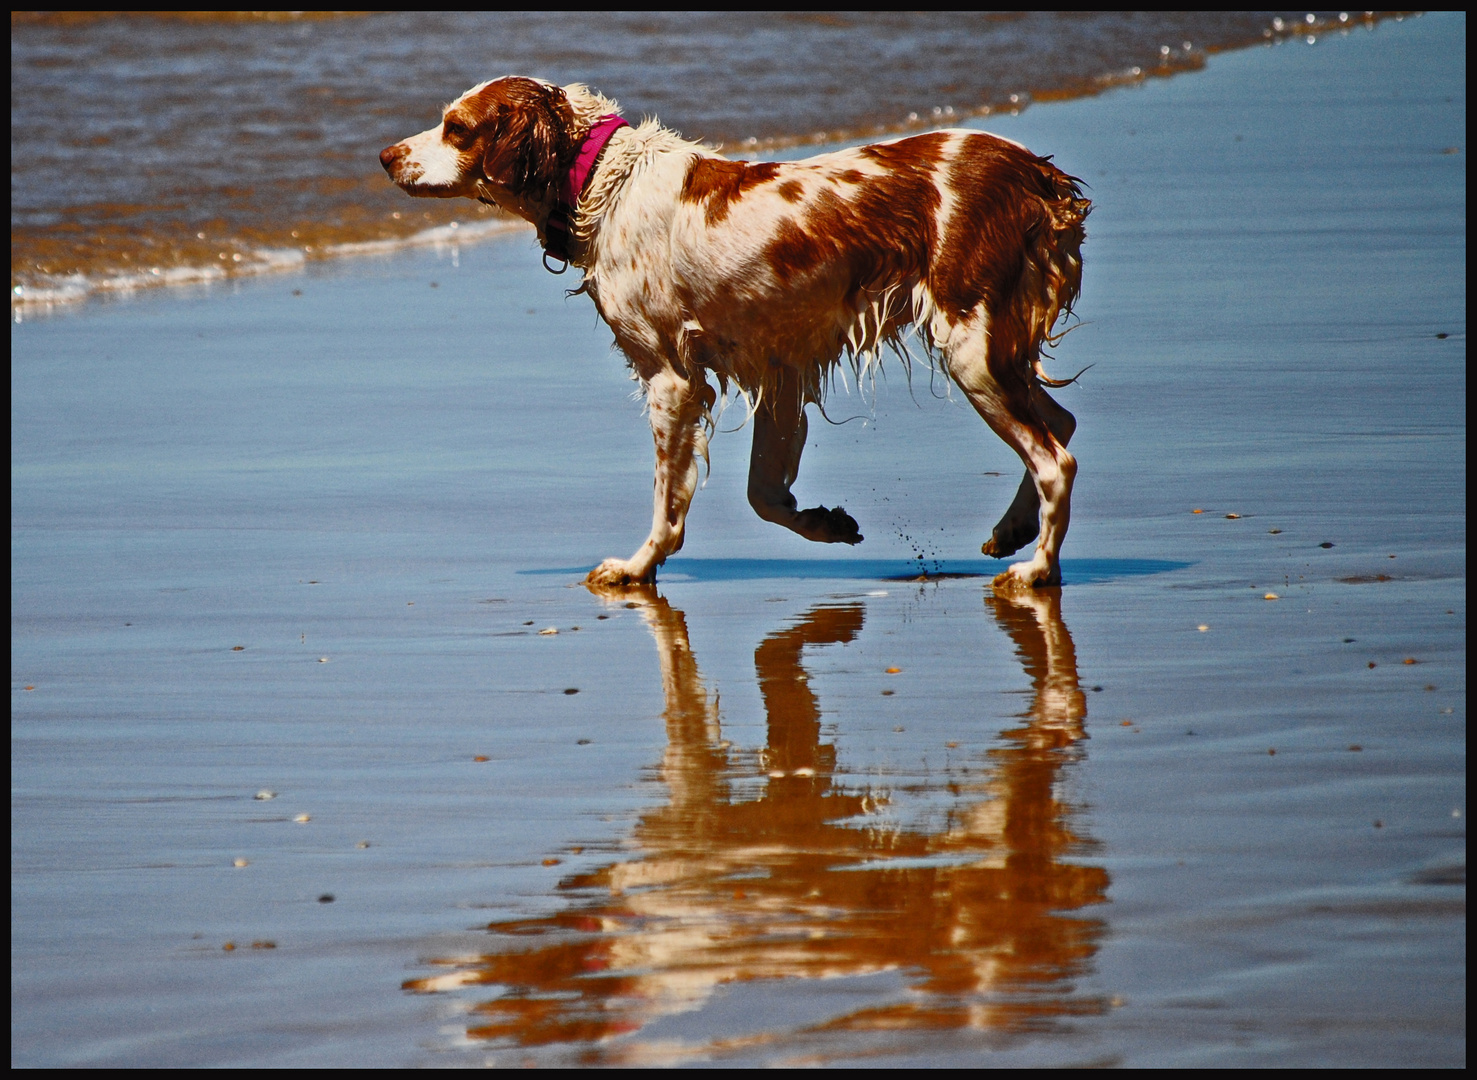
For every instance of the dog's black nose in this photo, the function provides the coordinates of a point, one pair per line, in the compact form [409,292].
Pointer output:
[391,154]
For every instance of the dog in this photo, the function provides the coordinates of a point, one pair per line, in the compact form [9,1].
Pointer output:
[767,275]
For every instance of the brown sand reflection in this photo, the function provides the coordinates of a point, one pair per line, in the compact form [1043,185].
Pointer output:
[768,866]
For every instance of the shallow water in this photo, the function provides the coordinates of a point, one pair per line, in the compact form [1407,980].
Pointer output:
[1063,837]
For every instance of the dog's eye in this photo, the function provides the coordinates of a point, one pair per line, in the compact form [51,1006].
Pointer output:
[457,131]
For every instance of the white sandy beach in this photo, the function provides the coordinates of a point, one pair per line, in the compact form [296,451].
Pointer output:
[299,533]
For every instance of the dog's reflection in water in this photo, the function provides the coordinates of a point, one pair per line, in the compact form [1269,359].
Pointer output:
[770,867]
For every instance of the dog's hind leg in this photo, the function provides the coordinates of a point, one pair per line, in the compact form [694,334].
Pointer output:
[780,428]
[675,406]
[1002,393]
[1021,522]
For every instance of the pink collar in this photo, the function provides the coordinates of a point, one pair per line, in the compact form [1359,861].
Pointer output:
[572,186]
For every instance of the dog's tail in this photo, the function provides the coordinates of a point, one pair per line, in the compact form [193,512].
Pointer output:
[1053,279]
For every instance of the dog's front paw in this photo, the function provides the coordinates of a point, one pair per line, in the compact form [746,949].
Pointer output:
[615,572]
[829,526]
[627,595]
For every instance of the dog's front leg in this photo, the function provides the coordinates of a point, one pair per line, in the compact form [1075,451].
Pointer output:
[780,428]
[675,406]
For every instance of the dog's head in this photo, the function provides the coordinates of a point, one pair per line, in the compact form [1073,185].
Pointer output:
[508,140]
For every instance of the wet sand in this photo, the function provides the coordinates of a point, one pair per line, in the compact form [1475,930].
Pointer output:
[300,535]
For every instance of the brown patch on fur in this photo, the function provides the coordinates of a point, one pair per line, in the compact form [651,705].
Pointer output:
[791,191]
[792,250]
[719,183]
[1014,242]
[881,231]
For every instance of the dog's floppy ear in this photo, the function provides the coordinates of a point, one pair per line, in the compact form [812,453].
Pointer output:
[531,145]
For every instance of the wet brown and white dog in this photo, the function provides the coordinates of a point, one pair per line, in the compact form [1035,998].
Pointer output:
[766,275]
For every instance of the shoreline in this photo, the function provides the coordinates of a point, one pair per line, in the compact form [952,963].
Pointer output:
[61,294]
[74,290]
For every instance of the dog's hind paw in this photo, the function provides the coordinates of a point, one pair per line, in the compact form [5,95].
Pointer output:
[1010,536]
[828,526]
[1000,547]
[1025,576]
